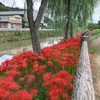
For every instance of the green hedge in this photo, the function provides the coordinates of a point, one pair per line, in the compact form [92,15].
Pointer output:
[19,35]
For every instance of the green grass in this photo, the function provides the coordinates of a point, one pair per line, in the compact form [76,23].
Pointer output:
[96,32]
[19,35]
[95,35]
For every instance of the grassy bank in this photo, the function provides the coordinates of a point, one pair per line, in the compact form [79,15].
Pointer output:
[95,35]
[20,35]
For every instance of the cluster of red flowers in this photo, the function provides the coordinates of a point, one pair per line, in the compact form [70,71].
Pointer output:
[29,76]
[58,85]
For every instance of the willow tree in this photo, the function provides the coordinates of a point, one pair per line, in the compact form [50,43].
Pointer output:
[34,24]
[68,11]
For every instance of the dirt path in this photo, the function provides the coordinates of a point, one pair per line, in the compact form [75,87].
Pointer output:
[96,70]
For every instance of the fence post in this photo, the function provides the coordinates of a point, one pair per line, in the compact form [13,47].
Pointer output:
[83,86]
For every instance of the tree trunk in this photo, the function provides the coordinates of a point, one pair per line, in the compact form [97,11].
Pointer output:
[67,30]
[83,87]
[34,25]
[71,30]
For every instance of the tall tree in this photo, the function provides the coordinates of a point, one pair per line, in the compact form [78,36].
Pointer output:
[34,24]
[68,11]
[67,30]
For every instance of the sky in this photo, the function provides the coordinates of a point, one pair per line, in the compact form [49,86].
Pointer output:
[96,14]
[20,4]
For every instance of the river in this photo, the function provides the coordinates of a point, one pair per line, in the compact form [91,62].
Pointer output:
[13,48]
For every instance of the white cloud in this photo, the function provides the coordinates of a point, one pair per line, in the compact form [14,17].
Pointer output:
[96,15]
[19,3]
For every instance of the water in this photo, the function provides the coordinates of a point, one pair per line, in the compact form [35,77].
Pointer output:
[13,48]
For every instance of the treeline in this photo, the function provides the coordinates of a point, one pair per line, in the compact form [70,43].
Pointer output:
[6,8]
[94,25]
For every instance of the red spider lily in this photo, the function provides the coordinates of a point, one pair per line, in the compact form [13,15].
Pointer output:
[91,57]
[28,74]
[70,88]
[30,78]
[4,94]
[34,92]
[41,57]
[49,63]
[92,66]
[13,73]
[24,95]
[8,83]
[21,79]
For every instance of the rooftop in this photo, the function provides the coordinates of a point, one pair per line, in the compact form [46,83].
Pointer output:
[2,13]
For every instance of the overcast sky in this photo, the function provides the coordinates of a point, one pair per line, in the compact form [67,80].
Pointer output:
[20,4]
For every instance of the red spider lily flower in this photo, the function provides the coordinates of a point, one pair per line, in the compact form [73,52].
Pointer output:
[35,63]
[13,73]
[46,76]
[42,68]
[70,88]
[22,64]
[91,57]
[34,92]
[68,55]
[65,96]
[92,66]
[21,79]
[24,95]
[49,63]
[41,57]
[79,34]
[13,97]
[9,85]
[47,51]
[2,69]
[4,94]
[30,78]
[56,92]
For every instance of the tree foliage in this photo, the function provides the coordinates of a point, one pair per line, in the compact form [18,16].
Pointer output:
[94,25]
[6,8]
[78,11]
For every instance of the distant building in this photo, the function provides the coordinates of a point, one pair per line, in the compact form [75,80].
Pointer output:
[11,19]
[35,13]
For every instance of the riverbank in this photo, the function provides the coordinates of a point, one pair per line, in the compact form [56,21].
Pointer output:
[15,47]
[24,35]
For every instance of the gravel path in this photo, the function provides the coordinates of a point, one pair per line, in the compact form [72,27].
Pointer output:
[96,69]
